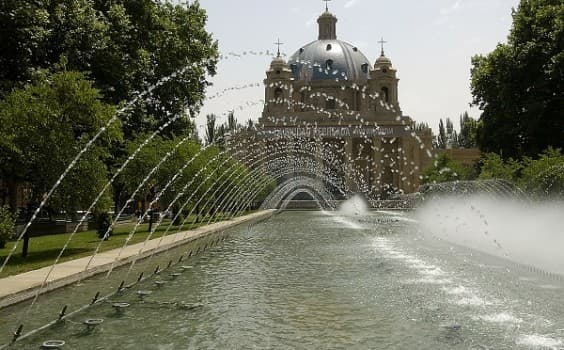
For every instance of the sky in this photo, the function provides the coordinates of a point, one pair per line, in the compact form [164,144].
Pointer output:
[430,42]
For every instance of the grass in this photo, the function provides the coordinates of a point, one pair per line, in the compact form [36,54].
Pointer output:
[44,250]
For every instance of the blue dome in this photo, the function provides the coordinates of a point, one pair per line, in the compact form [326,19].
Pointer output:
[329,60]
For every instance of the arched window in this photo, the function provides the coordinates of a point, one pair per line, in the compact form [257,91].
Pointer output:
[358,100]
[294,68]
[278,95]
[329,47]
[385,94]
[330,103]
[329,64]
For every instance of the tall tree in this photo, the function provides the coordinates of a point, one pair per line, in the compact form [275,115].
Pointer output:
[126,45]
[42,127]
[211,129]
[442,140]
[232,124]
[468,128]
[445,169]
[519,85]
[451,134]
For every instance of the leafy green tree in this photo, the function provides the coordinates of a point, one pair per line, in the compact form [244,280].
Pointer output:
[23,31]
[175,163]
[495,167]
[519,85]
[151,40]
[43,126]
[468,129]
[7,224]
[451,134]
[421,127]
[544,176]
[445,169]
[103,225]
[211,129]
[138,168]
[127,46]
[441,141]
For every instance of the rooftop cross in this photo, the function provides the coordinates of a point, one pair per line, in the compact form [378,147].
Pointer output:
[327,4]
[382,42]
[278,43]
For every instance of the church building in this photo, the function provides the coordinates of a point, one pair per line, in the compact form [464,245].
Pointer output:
[330,96]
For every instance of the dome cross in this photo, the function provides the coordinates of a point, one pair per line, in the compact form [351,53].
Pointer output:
[382,42]
[327,4]
[278,43]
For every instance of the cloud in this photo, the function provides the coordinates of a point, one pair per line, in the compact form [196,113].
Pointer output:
[351,3]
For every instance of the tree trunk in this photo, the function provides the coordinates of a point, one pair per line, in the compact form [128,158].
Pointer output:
[150,220]
[25,246]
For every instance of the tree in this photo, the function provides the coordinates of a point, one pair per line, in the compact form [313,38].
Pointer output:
[451,134]
[544,176]
[421,127]
[445,169]
[441,141]
[7,224]
[177,152]
[519,85]
[211,129]
[468,128]
[23,31]
[127,46]
[494,167]
[232,124]
[250,125]
[42,127]
[148,41]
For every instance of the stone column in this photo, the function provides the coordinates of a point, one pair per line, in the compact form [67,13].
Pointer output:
[418,167]
[396,159]
[319,158]
[403,167]
[349,165]
[377,165]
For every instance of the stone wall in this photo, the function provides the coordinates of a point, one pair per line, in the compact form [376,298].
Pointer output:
[465,156]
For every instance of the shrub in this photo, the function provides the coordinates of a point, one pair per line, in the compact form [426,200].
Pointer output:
[178,220]
[544,176]
[446,170]
[103,223]
[494,167]
[7,224]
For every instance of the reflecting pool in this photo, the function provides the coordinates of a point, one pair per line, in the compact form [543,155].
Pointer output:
[307,280]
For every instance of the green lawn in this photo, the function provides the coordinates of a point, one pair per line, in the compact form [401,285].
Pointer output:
[44,250]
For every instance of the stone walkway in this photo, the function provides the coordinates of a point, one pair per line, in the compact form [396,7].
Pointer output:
[21,287]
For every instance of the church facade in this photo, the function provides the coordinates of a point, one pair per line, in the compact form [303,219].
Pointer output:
[330,99]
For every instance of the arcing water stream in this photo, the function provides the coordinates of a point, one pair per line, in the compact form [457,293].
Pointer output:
[349,279]
[352,279]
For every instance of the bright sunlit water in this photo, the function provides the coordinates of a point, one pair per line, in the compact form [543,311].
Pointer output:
[307,280]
